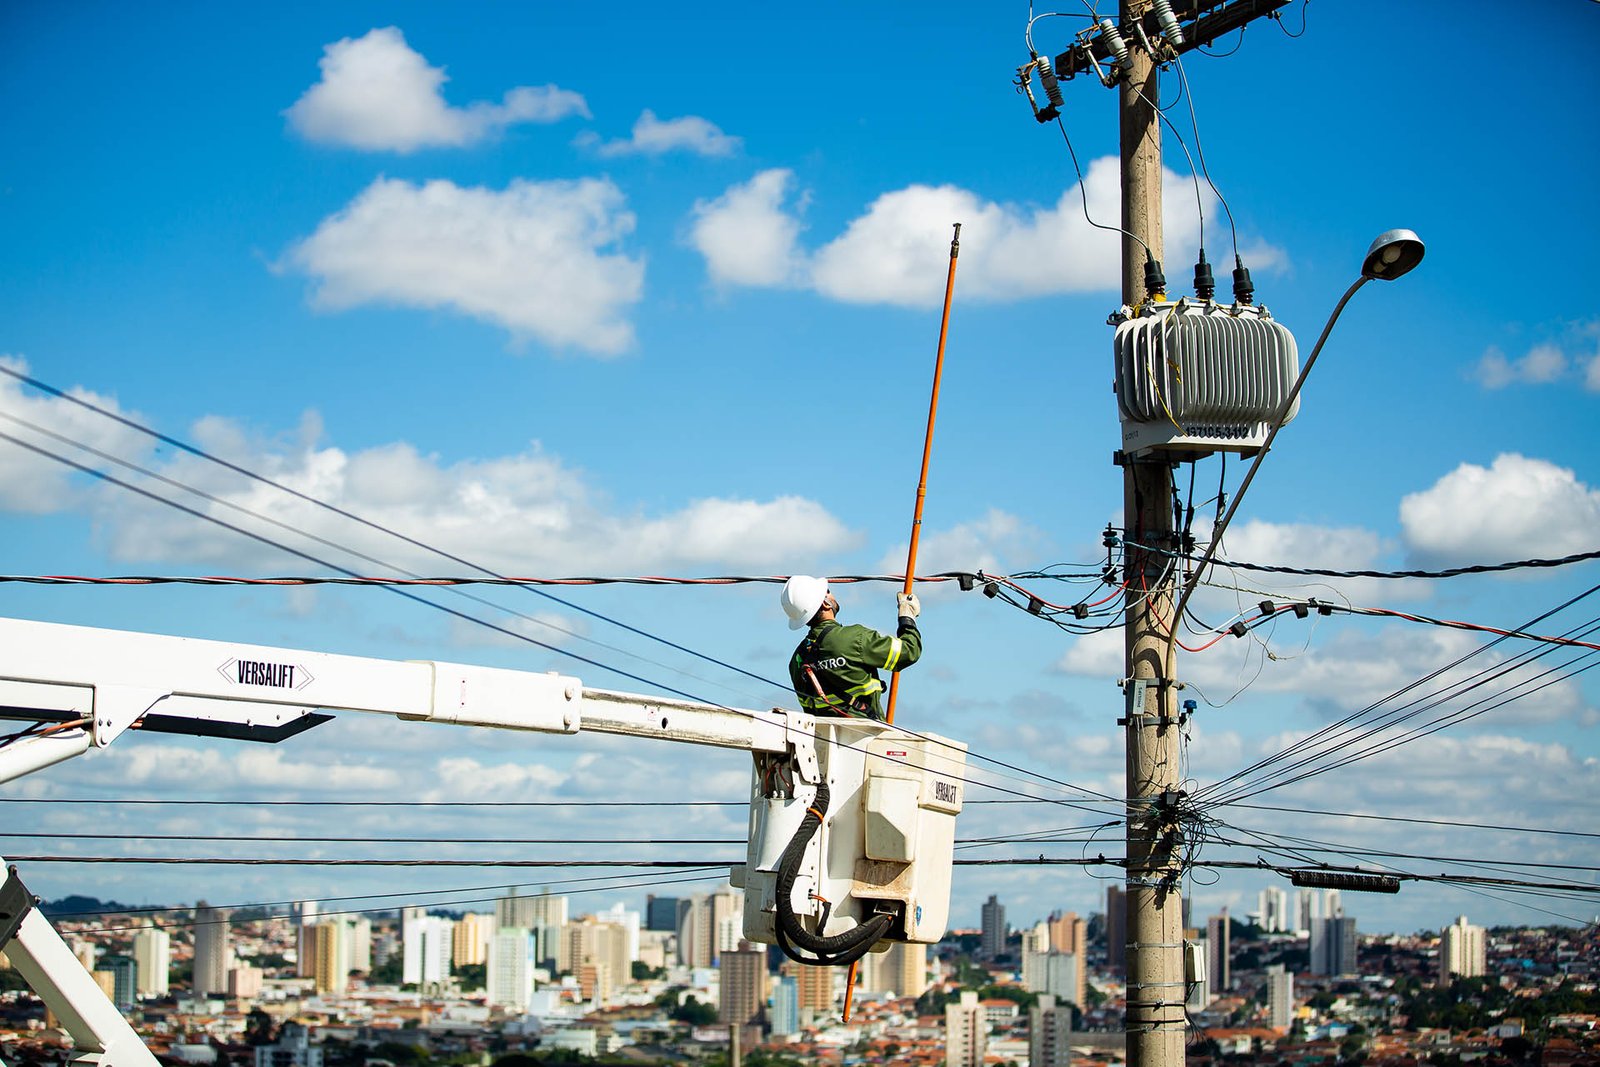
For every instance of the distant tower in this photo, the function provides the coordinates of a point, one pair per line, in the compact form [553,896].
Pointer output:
[1068,933]
[1049,1033]
[304,915]
[786,1006]
[212,952]
[152,957]
[1280,997]
[1219,963]
[333,955]
[1463,951]
[509,969]
[966,1031]
[994,928]
[1273,904]
[1333,946]
[469,943]
[1116,929]
[743,989]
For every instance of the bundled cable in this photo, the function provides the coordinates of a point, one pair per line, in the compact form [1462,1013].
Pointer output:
[840,949]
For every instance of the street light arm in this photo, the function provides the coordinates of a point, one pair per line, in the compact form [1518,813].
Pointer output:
[1272,433]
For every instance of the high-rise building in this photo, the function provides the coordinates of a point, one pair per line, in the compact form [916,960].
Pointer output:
[743,985]
[152,958]
[426,941]
[358,930]
[1061,974]
[627,921]
[245,982]
[1068,933]
[661,913]
[1306,907]
[1333,946]
[966,1031]
[124,979]
[509,968]
[603,945]
[993,944]
[903,970]
[1273,907]
[304,915]
[814,988]
[1219,944]
[1049,1033]
[1280,997]
[1463,950]
[333,955]
[213,954]
[1116,929]
[786,1006]
[469,942]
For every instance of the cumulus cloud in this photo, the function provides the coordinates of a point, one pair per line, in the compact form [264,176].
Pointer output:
[33,483]
[520,514]
[1516,508]
[892,253]
[653,136]
[538,259]
[746,236]
[1543,364]
[377,94]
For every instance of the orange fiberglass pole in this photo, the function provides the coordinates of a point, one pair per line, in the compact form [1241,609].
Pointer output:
[927,444]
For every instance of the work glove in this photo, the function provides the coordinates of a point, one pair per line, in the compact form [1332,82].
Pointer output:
[910,606]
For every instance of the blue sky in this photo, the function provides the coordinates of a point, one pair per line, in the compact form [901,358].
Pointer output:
[659,293]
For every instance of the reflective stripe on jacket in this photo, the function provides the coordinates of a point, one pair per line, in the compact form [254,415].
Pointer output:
[845,661]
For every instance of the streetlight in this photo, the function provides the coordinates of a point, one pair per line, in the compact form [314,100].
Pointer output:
[1393,253]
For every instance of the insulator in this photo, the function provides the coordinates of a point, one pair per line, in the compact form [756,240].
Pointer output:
[1168,22]
[1047,78]
[1115,44]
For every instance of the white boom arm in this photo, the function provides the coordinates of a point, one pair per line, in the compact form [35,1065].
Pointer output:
[851,821]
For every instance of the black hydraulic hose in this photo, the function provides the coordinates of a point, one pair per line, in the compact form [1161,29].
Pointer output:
[830,951]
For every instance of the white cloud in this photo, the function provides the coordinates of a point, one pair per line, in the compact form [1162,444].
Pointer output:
[746,236]
[377,94]
[1591,375]
[1517,508]
[1542,365]
[33,483]
[653,137]
[895,252]
[537,259]
[524,514]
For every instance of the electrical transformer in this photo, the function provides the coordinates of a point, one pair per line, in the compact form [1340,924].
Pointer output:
[1201,378]
[852,836]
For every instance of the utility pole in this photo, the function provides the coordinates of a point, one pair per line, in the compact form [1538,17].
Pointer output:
[1154,1018]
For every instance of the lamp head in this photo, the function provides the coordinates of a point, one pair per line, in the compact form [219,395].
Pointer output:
[1392,254]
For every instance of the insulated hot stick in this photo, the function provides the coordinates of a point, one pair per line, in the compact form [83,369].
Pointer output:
[927,444]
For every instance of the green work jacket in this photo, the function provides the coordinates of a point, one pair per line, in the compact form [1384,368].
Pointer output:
[845,661]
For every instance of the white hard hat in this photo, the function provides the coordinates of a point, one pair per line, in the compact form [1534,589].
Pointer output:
[802,597]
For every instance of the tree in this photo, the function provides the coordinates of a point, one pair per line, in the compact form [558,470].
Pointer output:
[472,975]
[644,972]
[694,1013]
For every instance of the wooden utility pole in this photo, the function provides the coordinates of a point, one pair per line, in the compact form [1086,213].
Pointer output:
[1156,989]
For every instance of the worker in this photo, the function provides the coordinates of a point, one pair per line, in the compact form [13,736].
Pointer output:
[835,669]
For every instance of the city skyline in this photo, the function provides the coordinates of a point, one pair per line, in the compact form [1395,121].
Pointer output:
[560,317]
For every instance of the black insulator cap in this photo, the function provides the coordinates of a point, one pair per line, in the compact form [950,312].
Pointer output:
[1204,284]
[991,590]
[1244,290]
[1239,629]
[1155,282]
[1268,607]
[1301,611]
[965,582]
[1035,605]
[1080,611]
